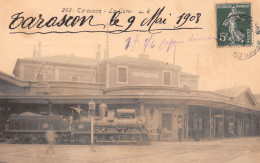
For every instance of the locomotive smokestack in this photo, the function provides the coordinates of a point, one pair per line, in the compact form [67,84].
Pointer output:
[142,109]
[102,110]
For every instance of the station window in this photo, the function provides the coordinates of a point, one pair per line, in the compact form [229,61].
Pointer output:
[122,74]
[166,78]
[74,78]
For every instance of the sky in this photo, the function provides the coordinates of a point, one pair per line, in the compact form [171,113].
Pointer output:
[216,66]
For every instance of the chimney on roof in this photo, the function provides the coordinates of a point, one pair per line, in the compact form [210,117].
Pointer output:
[106,52]
[143,56]
[34,52]
[37,53]
[98,54]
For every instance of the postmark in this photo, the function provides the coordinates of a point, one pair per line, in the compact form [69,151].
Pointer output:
[246,55]
[234,24]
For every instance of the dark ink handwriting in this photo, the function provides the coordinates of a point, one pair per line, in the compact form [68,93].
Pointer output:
[185,17]
[114,20]
[30,22]
[119,25]
[155,19]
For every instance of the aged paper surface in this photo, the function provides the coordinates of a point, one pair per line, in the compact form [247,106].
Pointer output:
[188,69]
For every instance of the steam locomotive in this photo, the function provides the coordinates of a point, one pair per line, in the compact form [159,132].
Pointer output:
[111,126]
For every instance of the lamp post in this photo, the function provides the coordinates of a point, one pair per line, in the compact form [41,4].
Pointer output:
[92,109]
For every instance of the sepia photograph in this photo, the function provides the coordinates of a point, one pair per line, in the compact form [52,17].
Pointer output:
[111,81]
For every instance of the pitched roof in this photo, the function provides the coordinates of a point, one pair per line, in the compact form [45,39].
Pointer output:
[13,80]
[235,92]
[257,97]
[82,61]
[232,92]
[63,59]
[59,59]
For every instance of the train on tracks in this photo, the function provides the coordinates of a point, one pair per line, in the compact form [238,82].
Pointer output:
[121,126]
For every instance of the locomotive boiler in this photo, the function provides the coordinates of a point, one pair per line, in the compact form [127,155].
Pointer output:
[112,126]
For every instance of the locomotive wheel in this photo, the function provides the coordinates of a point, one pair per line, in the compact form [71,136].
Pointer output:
[138,139]
[83,139]
[112,138]
[16,139]
[133,138]
[58,139]
[89,140]
[35,140]
[21,140]
[147,140]
[95,139]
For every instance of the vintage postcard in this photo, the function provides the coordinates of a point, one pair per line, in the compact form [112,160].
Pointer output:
[129,81]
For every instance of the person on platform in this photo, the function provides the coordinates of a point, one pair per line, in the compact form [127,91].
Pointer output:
[165,134]
[50,137]
[197,134]
[231,132]
[180,134]
[70,122]
[158,134]
[179,120]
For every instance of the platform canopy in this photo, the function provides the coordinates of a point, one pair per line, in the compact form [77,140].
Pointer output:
[157,95]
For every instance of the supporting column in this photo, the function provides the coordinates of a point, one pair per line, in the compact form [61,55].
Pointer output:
[223,120]
[234,134]
[187,122]
[50,106]
[214,127]
[92,132]
[210,124]
[2,119]
[243,125]
[258,124]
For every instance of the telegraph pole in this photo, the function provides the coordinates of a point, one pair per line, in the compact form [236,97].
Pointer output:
[107,44]
[174,54]
[92,108]
[106,54]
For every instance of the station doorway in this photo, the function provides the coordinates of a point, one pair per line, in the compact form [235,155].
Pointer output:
[166,126]
[218,126]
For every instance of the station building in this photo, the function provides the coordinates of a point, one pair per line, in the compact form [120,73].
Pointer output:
[167,97]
